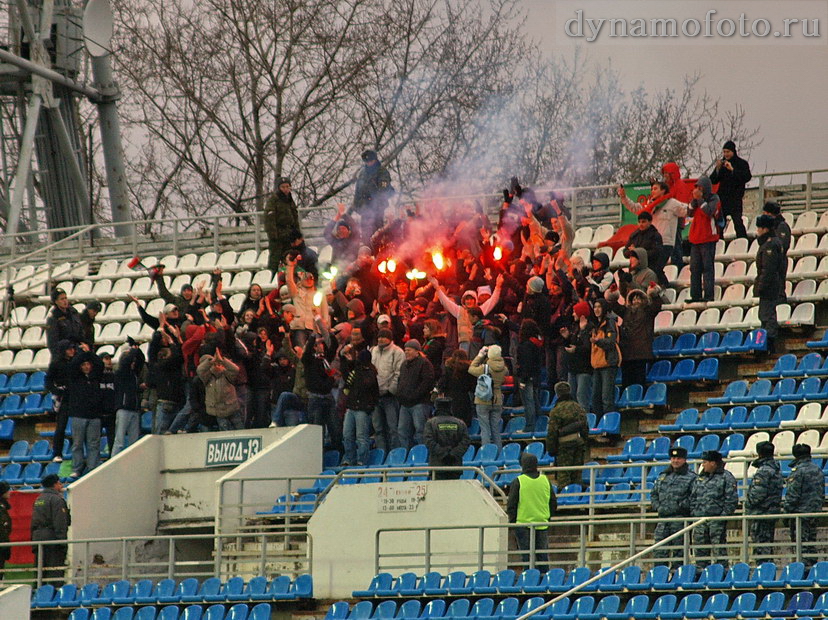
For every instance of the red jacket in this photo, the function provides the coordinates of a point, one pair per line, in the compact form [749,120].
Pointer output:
[704,211]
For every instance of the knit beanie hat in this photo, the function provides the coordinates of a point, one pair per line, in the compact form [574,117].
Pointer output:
[495,352]
[563,390]
[581,309]
[535,284]
[356,306]
[413,344]
[730,145]
[766,221]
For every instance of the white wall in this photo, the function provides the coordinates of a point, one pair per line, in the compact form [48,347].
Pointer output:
[15,601]
[344,526]
[297,452]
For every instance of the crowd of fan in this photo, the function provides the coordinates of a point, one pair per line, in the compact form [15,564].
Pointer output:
[411,306]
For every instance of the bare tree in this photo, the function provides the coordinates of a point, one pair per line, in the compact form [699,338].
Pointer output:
[223,96]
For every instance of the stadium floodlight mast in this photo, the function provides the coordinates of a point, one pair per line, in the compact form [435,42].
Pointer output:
[98,28]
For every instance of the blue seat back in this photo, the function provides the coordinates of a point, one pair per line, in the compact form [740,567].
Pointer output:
[434,609]
[385,610]
[684,368]
[459,608]
[510,453]
[656,394]
[664,604]
[361,611]
[684,343]
[709,340]
[708,442]
[148,613]
[708,369]
[734,441]
[409,610]
[418,455]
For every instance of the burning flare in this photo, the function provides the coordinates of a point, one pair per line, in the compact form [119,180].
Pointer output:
[498,253]
[437,259]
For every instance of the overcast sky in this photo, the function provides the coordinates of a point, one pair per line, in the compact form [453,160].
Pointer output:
[783,86]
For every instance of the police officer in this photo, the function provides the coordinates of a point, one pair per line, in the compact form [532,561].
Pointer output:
[50,521]
[447,439]
[371,194]
[805,492]
[764,496]
[567,433]
[531,500]
[713,495]
[670,498]
[771,266]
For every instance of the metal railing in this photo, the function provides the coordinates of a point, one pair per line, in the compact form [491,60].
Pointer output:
[622,537]
[244,515]
[175,557]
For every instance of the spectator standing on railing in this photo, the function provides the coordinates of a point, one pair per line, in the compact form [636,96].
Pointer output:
[50,521]
[63,323]
[532,500]
[58,377]
[804,492]
[732,173]
[769,284]
[84,398]
[705,209]
[670,498]
[764,497]
[567,435]
[371,194]
[713,495]
[281,220]
[447,439]
[783,231]
[5,525]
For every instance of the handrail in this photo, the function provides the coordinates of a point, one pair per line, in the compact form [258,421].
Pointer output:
[615,567]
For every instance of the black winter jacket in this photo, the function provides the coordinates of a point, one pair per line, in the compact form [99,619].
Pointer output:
[416,381]
[362,389]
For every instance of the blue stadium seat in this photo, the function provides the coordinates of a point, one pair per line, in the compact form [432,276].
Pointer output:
[755,342]
[37,382]
[32,405]
[4,384]
[657,574]
[44,596]
[19,383]
[610,424]
[262,611]
[429,580]
[532,604]
[659,371]
[12,405]
[88,592]
[13,474]
[516,424]
[539,450]
[765,576]
[33,473]
[433,609]
[713,572]
[799,601]
[506,608]
[709,418]
[631,395]
[811,344]
[237,612]
[170,612]
[663,605]
[459,608]
[551,579]
[785,389]
[656,396]
[607,605]
[361,611]
[529,577]
[657,450]
[629,574]
[278,589]
[385,611]
[716,603]
[744,602]
[734,441]
[582,607]
[808,389]
[636,607]
[729,344]
[186,587]
[331,459]
[409,610]
[819,608]
[482,607]
[576,576]
[405,581]
[633,449]
[81,613]
[124,613]
[735,389]
[690,604]
[687,416]
[707,370]
[141,588]
[683,371]
[809,365]
[509,455]
[708,442]
[738,572]
[793,572]
[6,430]
[818,575]
[785,363]
[191,612]
[165,587]
[707,342]
[683,345]
[209,587]
[478,583]
[758,389]
[662,345]
[319,485]
[734,419]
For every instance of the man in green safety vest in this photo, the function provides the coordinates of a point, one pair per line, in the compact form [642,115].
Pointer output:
[531,500]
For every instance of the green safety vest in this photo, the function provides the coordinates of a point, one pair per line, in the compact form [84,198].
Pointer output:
[533,505]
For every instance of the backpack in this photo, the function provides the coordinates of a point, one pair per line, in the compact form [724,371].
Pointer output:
[484,390]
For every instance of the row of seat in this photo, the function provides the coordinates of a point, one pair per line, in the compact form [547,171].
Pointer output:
[16,475]
[738,418]
[634,397]
[788,365]
[764,391]
[734,318]
[33,404]
[684,370]
[667,607]
[638,449]
[239,611]
[166,591]
[22,383]
[738,295]
[633,578]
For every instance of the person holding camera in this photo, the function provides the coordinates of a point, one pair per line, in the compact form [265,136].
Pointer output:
[732,173]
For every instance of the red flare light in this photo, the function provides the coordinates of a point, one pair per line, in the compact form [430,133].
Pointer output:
[437,259]
[498,253]
[134,262]
[391,265]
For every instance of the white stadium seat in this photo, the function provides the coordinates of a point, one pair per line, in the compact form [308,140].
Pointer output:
[207,262]
[804,290]
[33,338]
[685,321]
[601,234]
[241,282]
[188,263]
[732,318]
[805,223]
[805,246]
[807,416]
[583,237]
[121,288]
[663,321]
[248,260]
[783,313]
[114,312]
[228,260]
[23,360]
[803,314]
[41,360]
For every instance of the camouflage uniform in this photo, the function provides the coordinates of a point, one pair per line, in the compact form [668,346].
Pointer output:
[805,493]
[670,497]
[566,439]
[764,496]
[712,495]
